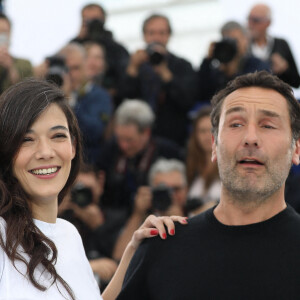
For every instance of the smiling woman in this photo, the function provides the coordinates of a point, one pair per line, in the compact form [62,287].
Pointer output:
[42,256]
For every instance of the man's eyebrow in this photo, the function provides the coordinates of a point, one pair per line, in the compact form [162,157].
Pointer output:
[58,127]
[269,113]
[235,109]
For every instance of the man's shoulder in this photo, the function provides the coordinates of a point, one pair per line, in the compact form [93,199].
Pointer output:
[97,91]
[198,226]
[178,60]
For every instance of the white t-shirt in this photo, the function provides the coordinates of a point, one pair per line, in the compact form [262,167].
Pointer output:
[197,190]
[72,265]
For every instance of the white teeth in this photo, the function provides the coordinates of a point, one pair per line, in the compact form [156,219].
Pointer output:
[44,171]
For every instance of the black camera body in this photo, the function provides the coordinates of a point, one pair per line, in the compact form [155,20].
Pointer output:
[56,70]
[81,195]
[95,29]
[155,57]
[161,197]
[225,50]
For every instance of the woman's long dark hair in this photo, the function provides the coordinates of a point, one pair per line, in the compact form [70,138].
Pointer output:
[196,156]
[20,106]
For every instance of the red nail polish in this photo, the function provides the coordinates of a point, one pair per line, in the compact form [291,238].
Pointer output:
[172,231]
[184,221]
[164,236]
[154,232]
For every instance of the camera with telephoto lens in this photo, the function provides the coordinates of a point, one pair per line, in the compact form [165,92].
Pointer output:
[56,70]
[225,50]
[81,195]
[155,57]
[95,29]
[161,197]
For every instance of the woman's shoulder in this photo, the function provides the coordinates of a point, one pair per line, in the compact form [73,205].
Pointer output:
[62,223]
[66,226]
[2,226]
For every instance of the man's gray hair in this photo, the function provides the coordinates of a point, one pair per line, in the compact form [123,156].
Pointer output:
[164,165]
[72,48]
[233,25]
[135,112]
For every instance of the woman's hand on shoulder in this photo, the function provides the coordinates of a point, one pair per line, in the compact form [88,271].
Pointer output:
[154,226]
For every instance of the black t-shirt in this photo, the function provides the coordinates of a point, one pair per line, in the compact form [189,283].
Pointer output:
[208,260]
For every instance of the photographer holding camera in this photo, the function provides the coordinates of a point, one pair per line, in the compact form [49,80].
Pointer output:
[93,17]
[166,195]
[166,82]
[227,59]
[98,228]
[11,69]
[127,158]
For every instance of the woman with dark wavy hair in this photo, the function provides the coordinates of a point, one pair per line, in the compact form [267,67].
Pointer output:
[41,256]
[202,174]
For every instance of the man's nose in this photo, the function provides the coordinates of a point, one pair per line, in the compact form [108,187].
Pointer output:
[44,150]
[251,136]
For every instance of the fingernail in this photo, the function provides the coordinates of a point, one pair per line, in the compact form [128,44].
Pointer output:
[164,236]
[172,231]
[154,232]
[184,221]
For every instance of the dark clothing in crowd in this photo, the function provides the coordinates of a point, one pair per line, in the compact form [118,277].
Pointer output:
[93,110]
[292,189]
[125,175]
[117,58]
[211,79]
[291,75]
[170,101]
[100,242]
[209,260]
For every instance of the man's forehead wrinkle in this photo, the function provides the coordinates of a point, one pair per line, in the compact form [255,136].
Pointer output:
[243,101]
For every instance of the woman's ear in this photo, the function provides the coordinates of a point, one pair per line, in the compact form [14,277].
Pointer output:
[73,148]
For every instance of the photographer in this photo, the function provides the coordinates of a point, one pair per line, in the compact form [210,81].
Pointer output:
[12,69]
[165,81]
[127,158]
[98,228]
[93,17]
[91,103]
[226,59]
[166,195]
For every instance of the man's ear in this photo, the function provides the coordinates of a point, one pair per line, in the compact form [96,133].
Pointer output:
[214,149]
[296,154]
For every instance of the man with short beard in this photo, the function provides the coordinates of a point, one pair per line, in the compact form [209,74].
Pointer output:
[246,247]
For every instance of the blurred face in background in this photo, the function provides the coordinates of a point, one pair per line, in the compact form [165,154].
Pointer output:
[130,140]
[4,33]
[157,30]
[258,21]
[175,181]
[87,15]
[241,39]
[75,61]
[90,180]
[203,134]
[95,61]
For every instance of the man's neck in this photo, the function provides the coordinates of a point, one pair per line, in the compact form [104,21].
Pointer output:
[261,41]
[233,212]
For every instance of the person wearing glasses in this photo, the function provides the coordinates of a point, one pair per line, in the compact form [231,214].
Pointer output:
[275,51]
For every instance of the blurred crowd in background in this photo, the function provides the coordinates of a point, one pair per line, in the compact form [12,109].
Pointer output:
[145,121]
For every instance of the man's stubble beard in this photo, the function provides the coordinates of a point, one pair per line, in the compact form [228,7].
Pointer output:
[246,189]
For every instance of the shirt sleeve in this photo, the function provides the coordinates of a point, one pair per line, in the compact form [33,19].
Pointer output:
[135,282]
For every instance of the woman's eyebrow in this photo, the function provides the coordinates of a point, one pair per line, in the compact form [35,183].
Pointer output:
[57,127]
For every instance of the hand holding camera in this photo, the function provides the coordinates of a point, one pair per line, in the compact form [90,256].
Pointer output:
[155,54]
